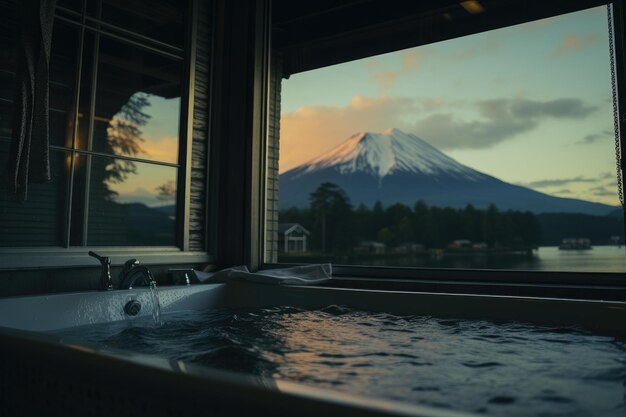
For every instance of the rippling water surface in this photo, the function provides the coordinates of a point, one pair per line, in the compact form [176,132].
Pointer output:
[504,369]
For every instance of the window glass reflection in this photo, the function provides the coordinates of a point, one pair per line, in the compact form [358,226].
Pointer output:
[131,203]
[39,220]
[137,103]
[75,5]
[162,21]
[63,64]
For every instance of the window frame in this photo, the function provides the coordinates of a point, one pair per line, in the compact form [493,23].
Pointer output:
[603,285]
[179,253]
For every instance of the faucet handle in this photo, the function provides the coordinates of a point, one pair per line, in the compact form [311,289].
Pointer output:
[105,260]
[106,283]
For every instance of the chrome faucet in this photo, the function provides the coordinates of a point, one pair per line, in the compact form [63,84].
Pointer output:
[132,273]
[106,283]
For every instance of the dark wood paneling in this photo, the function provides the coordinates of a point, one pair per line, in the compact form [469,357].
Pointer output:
[200,132]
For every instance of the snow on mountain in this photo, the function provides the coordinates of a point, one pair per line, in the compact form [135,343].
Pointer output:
[387,152]
[395,167]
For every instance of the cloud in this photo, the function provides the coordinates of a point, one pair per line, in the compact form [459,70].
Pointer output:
[431,104]
[607,175]
[594,187]
[602,192]
[309,131]
[501,119]
[564,191]
[559,108]
[594,137]
[163,148]
[574,42]
[385,77]
[558,182]
[445,131]
[411,60]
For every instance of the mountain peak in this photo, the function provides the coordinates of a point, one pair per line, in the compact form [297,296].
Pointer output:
[387,152]
[391,131]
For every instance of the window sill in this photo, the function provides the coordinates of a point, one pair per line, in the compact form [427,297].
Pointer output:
[51,257]
[573,285]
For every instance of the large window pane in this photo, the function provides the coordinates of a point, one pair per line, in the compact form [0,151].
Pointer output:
[137,103]
[130,203]
[137,92]
[494,150]
[40,220]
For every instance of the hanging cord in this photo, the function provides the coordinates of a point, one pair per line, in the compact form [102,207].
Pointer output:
[618,147]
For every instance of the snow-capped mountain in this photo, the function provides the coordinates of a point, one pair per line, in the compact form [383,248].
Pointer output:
[396,167]
[386,153]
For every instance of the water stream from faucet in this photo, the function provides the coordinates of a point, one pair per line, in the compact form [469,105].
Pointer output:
[156,306]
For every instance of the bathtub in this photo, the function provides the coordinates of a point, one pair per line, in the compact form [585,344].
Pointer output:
[42,374]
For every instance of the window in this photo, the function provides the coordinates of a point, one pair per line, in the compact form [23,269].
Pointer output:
[118,90]
[494,150]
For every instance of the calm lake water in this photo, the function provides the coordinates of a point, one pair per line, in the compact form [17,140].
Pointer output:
[598,259]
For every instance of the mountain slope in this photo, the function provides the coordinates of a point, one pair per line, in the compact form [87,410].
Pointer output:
[395,167]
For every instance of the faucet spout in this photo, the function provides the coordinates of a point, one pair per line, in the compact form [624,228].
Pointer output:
[135,275]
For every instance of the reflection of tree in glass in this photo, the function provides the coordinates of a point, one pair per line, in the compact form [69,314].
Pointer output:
[124,137]
[167,191]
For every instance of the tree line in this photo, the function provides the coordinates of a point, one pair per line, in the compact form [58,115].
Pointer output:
[336,226]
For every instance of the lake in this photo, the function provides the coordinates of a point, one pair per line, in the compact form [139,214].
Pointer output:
[598,259]
[545,258]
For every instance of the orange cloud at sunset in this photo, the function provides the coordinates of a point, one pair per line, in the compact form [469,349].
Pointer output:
[575,42]
[385,77]
[309,131]
[163,148]
[411,60]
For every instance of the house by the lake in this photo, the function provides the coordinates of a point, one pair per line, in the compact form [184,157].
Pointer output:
[292,238]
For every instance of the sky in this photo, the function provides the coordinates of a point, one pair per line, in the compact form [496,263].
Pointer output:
[530,104]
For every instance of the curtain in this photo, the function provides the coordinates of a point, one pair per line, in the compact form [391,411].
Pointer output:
[29,157]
